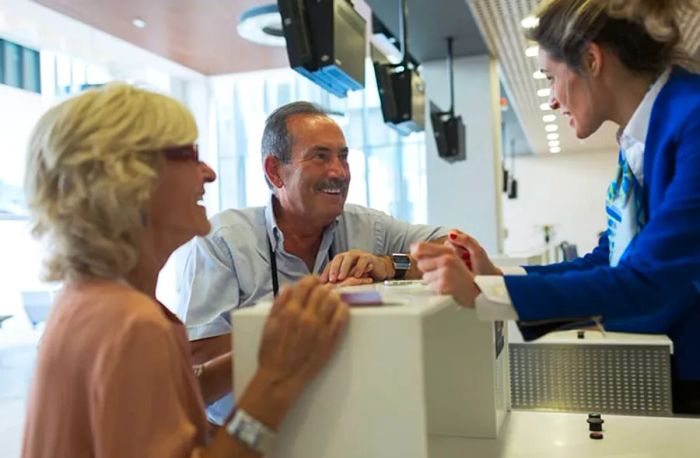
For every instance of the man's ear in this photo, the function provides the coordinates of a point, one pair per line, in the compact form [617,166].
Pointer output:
[593,57]
[272,170]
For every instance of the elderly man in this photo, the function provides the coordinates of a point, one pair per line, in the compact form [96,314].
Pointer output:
[306,228]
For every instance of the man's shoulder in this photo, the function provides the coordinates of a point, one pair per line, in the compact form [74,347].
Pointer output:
[239,218]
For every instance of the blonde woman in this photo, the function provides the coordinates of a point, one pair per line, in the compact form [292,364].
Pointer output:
[618,61]
[113,184]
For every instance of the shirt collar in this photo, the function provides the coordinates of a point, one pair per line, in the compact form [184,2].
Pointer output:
[275,235]
[638,125]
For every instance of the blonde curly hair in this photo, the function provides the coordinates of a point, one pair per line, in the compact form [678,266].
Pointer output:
[92,164]
[643,33]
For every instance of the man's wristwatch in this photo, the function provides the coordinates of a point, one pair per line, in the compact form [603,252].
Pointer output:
[402,262]
[250,432]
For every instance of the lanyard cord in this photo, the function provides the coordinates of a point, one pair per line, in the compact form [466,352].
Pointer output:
[273,265]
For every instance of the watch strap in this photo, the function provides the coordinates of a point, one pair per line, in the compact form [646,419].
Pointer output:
[250,432]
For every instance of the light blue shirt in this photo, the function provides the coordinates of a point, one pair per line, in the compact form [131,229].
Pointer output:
[230,267]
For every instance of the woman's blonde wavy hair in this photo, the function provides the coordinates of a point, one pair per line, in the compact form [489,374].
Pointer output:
[643,33]
[92,164]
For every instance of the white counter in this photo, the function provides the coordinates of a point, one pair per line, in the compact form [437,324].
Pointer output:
[422,365]
[565,435]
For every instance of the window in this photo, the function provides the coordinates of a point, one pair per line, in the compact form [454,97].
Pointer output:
[19,67]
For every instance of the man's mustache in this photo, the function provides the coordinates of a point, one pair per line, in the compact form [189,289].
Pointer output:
[334,183]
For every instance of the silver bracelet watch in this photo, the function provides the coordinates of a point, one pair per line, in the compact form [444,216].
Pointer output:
[250,432]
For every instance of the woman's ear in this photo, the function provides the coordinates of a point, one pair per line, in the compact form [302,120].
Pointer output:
[271,164]
[593,59]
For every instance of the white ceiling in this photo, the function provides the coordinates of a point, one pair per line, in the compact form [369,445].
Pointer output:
[499,21]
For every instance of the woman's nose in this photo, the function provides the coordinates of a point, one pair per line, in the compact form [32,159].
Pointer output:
[553,102]
[207,172]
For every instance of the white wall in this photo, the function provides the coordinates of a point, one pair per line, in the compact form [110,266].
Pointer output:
[564,190]
[466,194]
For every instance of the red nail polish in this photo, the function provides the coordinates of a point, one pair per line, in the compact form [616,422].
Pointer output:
[453,235]
[465,256]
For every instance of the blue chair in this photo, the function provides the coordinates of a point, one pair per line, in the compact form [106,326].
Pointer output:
[37,305]
[3,318]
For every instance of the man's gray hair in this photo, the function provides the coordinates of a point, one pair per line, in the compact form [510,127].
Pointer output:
[276,140]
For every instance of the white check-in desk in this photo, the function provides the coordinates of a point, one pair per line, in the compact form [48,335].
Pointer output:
[424,378]
[417,366]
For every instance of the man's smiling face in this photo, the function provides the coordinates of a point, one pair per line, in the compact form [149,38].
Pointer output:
[316,180]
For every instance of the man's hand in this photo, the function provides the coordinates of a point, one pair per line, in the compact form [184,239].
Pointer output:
[445,273]
[473,254]
[357,264]
[352,281]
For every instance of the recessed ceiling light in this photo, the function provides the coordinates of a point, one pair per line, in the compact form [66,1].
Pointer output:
[538,75]
[262,25]
[138,23]
[530,22]
[554,150]
[544,92]
[545,107]
[532,51]
[554,143]
[549,118]
[551,128]
[552,136]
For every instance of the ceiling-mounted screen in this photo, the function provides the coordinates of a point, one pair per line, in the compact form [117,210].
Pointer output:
[326,42]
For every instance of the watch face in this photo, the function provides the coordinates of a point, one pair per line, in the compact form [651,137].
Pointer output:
[401,261]
[249,433]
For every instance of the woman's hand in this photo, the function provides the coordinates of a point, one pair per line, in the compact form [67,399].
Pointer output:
[301,332]
[300,335]
[472,253]
[445,272]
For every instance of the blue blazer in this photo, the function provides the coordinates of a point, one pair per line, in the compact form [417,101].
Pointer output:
[656,286]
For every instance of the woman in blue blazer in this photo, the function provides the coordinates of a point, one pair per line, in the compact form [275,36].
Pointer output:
[616,61]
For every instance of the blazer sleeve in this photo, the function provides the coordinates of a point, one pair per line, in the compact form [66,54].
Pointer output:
[600,256]
[663,262]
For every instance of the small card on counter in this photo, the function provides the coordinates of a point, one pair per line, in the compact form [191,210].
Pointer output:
[362,298]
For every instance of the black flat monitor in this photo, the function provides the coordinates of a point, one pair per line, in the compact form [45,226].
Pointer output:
[402,97]
[326,42]
[449,133]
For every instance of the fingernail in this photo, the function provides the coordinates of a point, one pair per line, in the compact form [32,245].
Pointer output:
[465,256]
[453,235]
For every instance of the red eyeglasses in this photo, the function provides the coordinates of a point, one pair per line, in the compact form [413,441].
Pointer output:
[182,153]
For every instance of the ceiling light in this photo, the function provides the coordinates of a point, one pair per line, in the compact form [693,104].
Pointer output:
[554,143]
[545,107]
[551,128]
[538,75]
[554,150]
[552,136]
[262,25]
[530,22]
[138,23]
[532,51]
[544,92]
[549,118]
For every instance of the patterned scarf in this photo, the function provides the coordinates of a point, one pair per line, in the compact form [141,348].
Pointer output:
[625,209]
